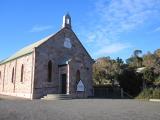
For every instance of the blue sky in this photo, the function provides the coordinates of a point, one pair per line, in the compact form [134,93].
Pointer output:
[112,28]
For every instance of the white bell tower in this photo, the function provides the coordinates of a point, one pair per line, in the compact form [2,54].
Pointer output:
[66,21]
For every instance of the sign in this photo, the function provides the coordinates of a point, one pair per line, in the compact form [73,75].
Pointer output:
[80,86]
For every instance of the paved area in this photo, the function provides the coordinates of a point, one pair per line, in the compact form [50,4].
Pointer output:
[82,109]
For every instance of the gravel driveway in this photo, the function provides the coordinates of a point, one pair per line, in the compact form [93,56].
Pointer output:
[80,109]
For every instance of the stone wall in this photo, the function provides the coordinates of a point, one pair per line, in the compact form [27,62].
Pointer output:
[16,87]
[35,84]
[54,50]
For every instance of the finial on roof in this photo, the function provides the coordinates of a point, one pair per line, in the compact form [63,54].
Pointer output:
[66,21]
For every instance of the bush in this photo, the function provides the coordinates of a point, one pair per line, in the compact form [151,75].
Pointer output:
[148,75]
[156,94]
[157,81]
[130,81]
[149,93]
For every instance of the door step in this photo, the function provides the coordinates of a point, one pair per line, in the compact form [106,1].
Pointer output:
[57,97]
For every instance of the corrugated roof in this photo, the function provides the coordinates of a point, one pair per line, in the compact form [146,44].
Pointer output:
[26,50]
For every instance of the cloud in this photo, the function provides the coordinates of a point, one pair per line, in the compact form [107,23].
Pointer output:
[38,28]
[111,18]
[157,29]
[112,48]
[126,15]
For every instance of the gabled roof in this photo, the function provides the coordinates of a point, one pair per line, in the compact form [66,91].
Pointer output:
[26,50]
[30,48]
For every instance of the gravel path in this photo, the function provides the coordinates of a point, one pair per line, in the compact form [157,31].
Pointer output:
[82,109]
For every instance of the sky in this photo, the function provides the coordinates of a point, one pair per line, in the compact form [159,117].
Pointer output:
[112,28]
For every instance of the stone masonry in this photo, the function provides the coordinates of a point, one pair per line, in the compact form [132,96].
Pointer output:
[65,58]
[17,88]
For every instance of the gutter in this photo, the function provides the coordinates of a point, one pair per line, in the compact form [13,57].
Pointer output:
[4,62]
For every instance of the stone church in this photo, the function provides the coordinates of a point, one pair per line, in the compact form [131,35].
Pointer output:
[57,64]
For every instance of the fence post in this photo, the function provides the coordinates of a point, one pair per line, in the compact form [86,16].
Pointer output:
[93,94]
[122,93]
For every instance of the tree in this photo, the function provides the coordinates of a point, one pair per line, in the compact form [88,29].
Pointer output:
[130,81]
[149,60]
[131,62]
[105,70]
[137,53]
[152,63]
[157,63]
[138,58]
[99,76]
[135,60]
[157,53]
[148,76]
[99,72]
[119,61]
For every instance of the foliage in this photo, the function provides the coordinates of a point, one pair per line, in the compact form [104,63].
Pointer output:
[99,75]
[148,75]
[157,53]
[130,81]
[156,67]
[137,52]
[157,81]
[105,70]
[149,93]
[135,60]
[130,76]
[149,59]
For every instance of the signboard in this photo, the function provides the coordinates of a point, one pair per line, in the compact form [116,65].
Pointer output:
[80,86]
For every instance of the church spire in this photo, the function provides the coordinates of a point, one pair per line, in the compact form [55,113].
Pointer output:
[66,21]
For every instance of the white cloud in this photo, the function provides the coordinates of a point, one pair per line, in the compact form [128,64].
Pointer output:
[38,28]
[157,29]
[110,18]
[126,15]
[112,48]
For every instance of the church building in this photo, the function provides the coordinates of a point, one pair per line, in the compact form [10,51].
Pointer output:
[57,64]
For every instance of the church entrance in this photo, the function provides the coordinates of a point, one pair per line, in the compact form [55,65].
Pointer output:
[64,83]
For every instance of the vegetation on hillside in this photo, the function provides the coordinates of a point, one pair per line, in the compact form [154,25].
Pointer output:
[139,75]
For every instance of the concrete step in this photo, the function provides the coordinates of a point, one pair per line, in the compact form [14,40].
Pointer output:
[57,97]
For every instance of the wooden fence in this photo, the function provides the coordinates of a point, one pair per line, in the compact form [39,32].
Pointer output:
[113,92]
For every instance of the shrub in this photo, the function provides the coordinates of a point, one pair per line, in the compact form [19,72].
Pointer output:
[149,93]
[157,81]
[130,81]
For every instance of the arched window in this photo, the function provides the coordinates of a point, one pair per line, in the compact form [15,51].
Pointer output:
[78,78]
[50,71]
[12,74]
[22,72]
